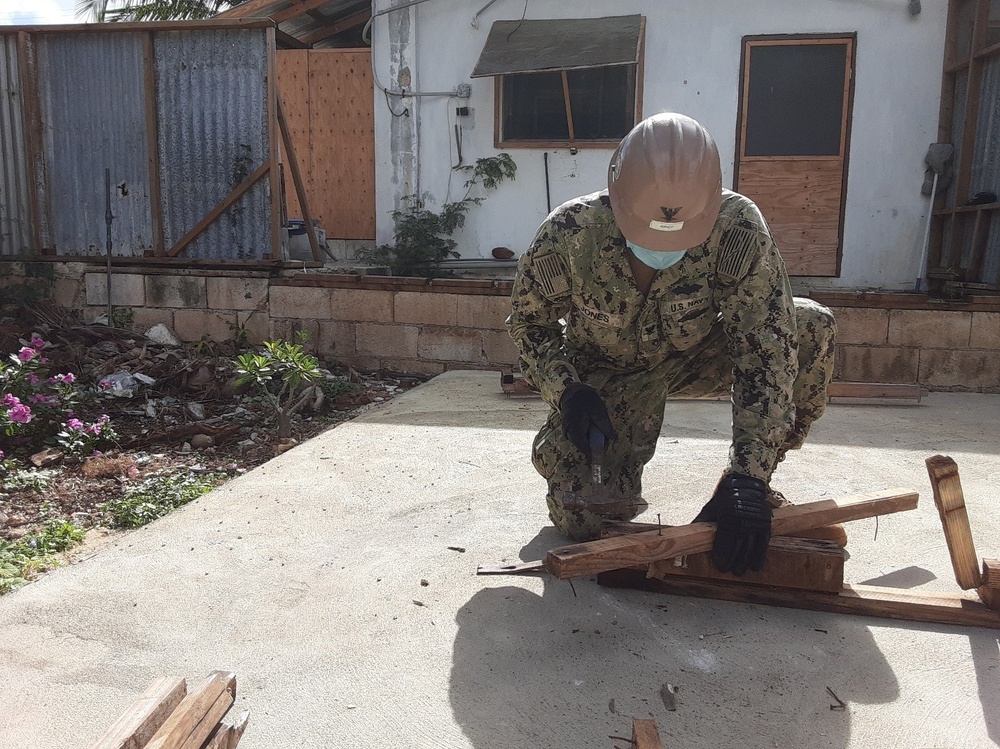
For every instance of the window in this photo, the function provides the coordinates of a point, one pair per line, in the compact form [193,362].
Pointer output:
[552,89]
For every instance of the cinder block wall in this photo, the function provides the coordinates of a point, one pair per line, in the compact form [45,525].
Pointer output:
[427,327]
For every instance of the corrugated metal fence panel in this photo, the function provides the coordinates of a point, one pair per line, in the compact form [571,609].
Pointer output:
[93,116]
[986,162]
[15,205]
[212,104]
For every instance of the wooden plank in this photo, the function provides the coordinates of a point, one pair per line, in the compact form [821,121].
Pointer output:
[143,719]
[950,502]
[874,390]
[210,722]
[273,147]
[989,591]
[567,104]
[152,143]
[645,735]
[861,600]
[798,563]
[293,86]
[221,208]
[514,568]
[186,721]
[288,40]
[208,24]
[293,165]
[643,548]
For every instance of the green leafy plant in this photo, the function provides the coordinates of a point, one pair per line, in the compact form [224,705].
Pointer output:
[422,240]
[277,373]
[36,552]
[156,496]
[21,480]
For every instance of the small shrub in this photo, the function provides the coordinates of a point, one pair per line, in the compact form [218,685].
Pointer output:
[276,373]
[156,496]
[35,553]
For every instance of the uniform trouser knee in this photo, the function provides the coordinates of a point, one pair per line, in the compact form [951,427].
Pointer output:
[817,331]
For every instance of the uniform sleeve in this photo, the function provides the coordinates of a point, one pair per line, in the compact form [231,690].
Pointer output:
[759,318]
[539,302]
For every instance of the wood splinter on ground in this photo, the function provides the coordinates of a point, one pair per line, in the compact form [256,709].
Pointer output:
[167,716]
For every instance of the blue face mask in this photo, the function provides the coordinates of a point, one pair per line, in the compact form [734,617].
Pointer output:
[653,259]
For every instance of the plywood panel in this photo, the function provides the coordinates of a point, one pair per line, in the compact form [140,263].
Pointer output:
[343,142]
[330,110]
[800,199]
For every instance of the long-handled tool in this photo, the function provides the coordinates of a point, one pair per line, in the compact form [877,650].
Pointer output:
[938,160]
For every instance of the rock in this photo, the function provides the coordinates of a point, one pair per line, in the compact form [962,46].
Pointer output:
[196,411]
[201,441]
[186,447]
[503,253]
[3,518]
[285,445]
[48,457]
[161,334]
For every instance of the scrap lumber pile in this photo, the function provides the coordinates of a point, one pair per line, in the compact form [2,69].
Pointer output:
[167,716]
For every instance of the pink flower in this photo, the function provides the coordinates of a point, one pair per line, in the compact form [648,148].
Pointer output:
[43,360]
[75,424]
[10,400]
[131,472]
[26,354]
[94,429]
[19,414]
[47,400]
[33,379]
[69,378]
[38,343]
[104,384]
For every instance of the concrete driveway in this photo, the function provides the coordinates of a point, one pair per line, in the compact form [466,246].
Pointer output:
[326,581]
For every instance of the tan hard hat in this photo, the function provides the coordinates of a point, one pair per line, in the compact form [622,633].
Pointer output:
[665,183]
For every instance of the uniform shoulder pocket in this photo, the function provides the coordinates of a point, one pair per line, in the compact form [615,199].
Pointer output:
[552,275]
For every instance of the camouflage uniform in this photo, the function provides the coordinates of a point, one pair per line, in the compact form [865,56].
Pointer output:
[722,319]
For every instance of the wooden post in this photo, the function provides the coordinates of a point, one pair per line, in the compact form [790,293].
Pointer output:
[950,502]
[989,591]
[197,715]
[300,187]
[27,64]
[272,144]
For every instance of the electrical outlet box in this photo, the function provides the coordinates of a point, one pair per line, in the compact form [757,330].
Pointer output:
[462,111]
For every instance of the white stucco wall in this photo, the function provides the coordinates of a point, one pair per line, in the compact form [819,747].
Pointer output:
[692,66]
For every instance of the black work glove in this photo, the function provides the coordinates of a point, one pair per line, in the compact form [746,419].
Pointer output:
[582,410]
[743,523]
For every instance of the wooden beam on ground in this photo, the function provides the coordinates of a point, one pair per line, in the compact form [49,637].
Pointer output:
[862,600]
[197,715]
[143,719]
[874,390]
[643,548]
[221,208]
[645,735]
[950,502]
[300,185]
[989,591]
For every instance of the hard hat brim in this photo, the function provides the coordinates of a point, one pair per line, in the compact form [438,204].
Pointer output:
[695,231]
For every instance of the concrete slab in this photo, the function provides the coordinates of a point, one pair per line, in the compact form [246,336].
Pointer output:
[306,578]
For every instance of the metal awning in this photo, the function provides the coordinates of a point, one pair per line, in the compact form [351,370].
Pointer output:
[559,44]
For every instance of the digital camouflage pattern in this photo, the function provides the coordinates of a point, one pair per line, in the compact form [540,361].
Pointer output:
[721,319]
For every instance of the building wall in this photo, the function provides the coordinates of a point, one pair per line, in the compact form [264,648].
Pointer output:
[417,326]
[692,65]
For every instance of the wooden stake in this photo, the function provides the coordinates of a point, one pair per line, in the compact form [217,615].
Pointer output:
[143,719]
[300,185]
[950,502]
[645,735]
[643,548]
[862,600]
[187,726]
[989,591]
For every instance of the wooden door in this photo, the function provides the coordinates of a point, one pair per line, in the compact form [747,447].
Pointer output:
[793,139]
[329,104]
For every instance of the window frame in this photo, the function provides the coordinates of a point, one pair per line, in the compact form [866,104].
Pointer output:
[499,141]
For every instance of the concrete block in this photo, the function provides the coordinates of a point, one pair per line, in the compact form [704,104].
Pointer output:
[127,289]
[73,271]
[929,328]
[413,366]
[388,341]
[144,318]
[257,325]
[499,348]
[193,324]
[289,329]
[858,325]
[451,344]
[966,370]
[985,331]
[187,292]
[360,305]
[870,364]
[69,293]
[426,309]
[484,312]
[236,293]
[337,340]
[302,302]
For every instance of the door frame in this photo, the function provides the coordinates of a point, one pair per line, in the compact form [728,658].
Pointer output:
[847,115]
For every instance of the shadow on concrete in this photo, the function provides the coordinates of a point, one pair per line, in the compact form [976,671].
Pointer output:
[906,578]
[564,670]
[986,660]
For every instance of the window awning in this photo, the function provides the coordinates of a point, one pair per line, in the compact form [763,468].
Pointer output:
[559,44]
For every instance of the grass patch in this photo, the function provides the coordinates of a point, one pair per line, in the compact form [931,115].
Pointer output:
[36,552]
[158,495]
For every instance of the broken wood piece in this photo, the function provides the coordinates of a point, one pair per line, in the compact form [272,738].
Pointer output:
[644,548]
[186,726]
[950,502]
[802,564]
[861,600]
[989,591]
[518,568]
[645,735]
[239,728]
[143,719]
